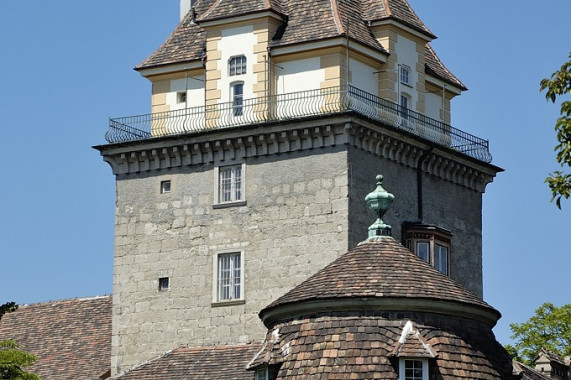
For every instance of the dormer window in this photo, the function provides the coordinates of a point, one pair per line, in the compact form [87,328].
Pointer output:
[237,65]
[405,75]
[430,243]
[413,369]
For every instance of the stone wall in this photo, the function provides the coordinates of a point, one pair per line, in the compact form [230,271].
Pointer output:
[294,222]
[445,204]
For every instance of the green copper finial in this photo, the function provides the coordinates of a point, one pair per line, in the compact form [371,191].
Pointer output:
[379,201]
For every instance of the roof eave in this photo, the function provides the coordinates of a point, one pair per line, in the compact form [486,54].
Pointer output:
[484,314]
[221,20]
[423,34]
[169,68]
[299,47]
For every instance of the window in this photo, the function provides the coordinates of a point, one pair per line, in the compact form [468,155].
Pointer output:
[230,184]
[262,374]
[423,250]
[430,243]
[413,369]
[237,94]
[441,258]
[181,97]
[237,65]
[229,274]
[165,187]
[405,75]
[164,284]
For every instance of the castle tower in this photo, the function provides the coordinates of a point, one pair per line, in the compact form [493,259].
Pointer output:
[267,121]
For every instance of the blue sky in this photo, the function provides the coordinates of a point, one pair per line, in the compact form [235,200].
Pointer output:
[66,68]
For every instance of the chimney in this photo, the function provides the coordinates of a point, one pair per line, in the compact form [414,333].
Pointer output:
[185,6]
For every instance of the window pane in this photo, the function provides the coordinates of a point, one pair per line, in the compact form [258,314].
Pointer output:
[238,98]
[413,369]
[230,184]
[237,65]
[423,251]
[229,276]
[441,258]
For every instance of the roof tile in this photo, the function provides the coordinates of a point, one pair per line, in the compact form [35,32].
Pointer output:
[71,338]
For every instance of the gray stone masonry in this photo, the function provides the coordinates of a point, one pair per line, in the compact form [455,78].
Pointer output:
[304,190]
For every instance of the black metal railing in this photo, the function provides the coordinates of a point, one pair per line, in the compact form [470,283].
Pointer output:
[295,106]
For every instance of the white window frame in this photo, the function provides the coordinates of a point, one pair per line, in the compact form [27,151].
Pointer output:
[218,296]
[237,99]
[417,249]
[402,368]
[439,264]
[262,373]
[404,75]
[237,65]
[237,195]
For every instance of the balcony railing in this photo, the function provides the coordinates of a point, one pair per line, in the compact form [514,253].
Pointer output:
[292,106]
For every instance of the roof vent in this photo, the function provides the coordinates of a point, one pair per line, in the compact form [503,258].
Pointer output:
[379,201]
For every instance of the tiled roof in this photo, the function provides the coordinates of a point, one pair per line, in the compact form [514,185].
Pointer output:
[203,363]
[551,356]
[395,9]
[435,67]
[185,44]
[357,345]
[528,373]
[231,8]
[308,21]
[379,269]
[71,338]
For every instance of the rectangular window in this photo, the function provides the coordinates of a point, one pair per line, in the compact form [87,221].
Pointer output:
[229,276]
[237,90]
[165,187]
[230,184]
[237,65]
[405,75]
[181,97]
[441,258]
[413,370]
[423,250]
[164,283]
[262,374]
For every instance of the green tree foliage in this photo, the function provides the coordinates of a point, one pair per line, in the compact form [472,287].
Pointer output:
[8,307]
[560,84]
[13,360]
[549,328]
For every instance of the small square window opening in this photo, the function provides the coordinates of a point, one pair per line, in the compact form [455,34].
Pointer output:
[165,187]
[181,97]
[164,284]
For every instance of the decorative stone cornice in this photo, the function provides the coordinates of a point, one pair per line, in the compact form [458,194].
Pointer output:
[278,138]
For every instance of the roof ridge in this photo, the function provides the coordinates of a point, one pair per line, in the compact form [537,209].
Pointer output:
[210,9]
[388,8]
[337,16]
[65,300]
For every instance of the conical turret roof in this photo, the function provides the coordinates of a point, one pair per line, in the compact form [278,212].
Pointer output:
[381,274]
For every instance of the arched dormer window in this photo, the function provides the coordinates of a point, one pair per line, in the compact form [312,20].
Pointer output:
[404,75]
[237,65]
